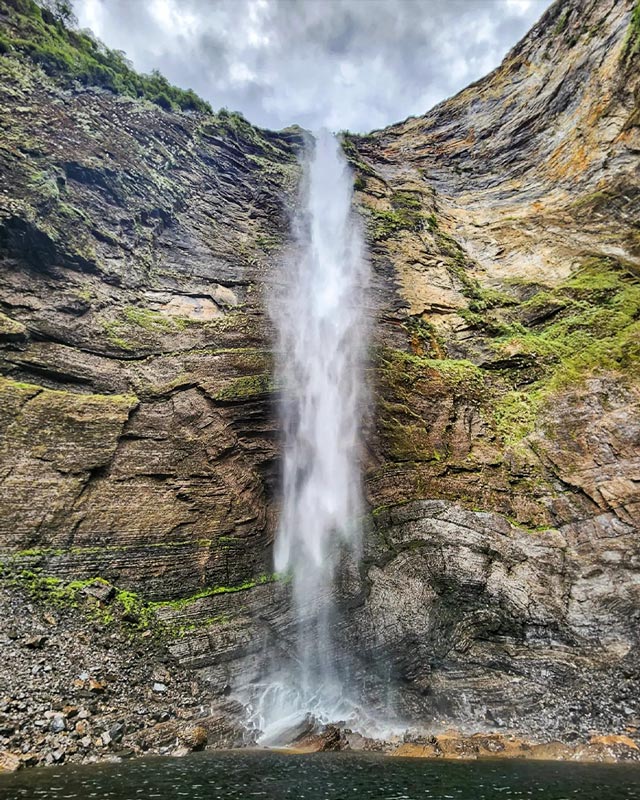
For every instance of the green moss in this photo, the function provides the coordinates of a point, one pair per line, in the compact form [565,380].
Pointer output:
[112,329]
[593,325]
[125,331]
[84,293]
[490,323]
[154,321]
[404,378]
[431,222]
[245,388]
[234,321]
[10,327]
[424,337]
[594,200]
[71,399]
[349,147]
[268,242]
[515,414]
[405,215]
[359,183]
[632,43]
[457,373]
[596,327]
[126,608]
[561,24]
[44,187]
[211,591]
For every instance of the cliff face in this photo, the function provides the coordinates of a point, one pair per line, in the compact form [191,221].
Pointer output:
[506,587]
[501,583]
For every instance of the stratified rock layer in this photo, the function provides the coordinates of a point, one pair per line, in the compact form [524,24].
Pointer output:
[500,585]
[505,590]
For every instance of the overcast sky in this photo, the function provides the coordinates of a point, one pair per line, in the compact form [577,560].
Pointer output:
[346,64]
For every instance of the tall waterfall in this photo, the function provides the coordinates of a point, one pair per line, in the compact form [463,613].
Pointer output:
[322,334]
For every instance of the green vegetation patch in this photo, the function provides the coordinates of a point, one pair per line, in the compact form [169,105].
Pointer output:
[72,55]
[555,338]
[70,401]
[632,43]
[596,326]
[350,150]
[515,413]
[458,374]
[100,600]
[405,215]
[247,387]
[211,591]
[589,323]
[155,321]
[128,330]
[10,327]
[408,382]
[122,606]
[562,22]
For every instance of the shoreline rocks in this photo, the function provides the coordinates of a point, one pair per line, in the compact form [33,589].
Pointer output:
[457,745]
[86,695]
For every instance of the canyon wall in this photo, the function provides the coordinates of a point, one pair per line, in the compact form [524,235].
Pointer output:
[500,585]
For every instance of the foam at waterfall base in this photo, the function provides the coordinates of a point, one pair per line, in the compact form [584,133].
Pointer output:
[281,713]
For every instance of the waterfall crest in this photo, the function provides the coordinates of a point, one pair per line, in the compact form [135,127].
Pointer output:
[322,336]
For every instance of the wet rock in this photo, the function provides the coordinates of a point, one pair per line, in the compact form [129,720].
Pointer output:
[193,737]
[9,762]
[327,739]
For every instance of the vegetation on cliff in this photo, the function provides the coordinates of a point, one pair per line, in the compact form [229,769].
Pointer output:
[632,44]
[72,55]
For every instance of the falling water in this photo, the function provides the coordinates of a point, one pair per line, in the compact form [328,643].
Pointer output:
[322,335]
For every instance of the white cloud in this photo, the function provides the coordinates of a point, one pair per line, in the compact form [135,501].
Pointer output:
[354,64]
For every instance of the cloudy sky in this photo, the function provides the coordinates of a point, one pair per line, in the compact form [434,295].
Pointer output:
[346,64]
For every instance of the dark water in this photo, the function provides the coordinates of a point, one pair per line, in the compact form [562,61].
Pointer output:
[339,776]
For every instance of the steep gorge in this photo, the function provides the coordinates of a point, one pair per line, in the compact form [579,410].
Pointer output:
[500,585]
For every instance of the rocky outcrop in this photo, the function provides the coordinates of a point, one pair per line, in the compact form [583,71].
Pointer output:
[501,574]
[136,245]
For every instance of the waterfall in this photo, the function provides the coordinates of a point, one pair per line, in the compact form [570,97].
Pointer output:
[322,336]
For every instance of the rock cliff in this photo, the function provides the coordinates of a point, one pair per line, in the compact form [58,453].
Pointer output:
[500,586]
